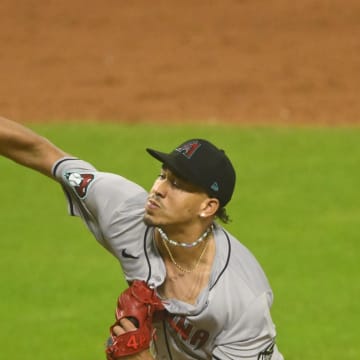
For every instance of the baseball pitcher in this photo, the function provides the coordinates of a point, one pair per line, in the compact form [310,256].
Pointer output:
[195,292]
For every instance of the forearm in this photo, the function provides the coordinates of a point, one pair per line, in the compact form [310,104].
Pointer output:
[27,148]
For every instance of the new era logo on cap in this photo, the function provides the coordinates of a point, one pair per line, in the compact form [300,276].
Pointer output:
[215,187]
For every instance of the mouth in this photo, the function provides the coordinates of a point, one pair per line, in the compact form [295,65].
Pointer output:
[152,204]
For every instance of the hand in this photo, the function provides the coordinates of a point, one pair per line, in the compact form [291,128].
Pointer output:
[133,333]
[124,326]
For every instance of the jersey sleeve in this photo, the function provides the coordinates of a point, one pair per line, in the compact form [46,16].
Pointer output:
[252,337]
[110,205]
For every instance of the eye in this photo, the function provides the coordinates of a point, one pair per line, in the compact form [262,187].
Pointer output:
[162,176]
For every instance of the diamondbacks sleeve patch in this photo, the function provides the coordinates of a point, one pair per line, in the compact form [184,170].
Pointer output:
[80,182]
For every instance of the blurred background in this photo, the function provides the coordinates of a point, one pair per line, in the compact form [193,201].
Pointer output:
[246,61]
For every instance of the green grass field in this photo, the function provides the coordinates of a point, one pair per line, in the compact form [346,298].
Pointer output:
[296,206]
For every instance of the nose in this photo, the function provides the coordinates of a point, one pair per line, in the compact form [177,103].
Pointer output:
[160,188]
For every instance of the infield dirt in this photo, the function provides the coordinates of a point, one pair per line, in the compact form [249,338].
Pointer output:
[245,61]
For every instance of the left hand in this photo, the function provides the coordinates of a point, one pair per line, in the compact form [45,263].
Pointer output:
[133,333]
[124,326]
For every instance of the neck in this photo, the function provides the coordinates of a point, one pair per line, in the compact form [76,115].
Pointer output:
[185,250]
[187,243]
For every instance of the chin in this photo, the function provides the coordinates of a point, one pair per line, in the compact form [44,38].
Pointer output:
[149,221]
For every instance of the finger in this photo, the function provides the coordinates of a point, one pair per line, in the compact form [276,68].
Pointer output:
[118,330]
[127,324]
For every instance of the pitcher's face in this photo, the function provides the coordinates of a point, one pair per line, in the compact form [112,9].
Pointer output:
[173,200]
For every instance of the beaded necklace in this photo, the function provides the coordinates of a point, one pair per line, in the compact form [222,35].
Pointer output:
[164,237]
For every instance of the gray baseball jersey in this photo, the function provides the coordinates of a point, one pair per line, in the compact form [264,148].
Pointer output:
[231,318]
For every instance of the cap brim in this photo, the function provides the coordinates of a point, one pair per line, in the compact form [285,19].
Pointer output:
[157,154]
[169,162]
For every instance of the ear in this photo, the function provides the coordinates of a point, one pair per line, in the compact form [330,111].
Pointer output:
[209,207]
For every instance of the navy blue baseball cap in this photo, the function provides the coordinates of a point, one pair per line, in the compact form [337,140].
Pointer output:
[203,164]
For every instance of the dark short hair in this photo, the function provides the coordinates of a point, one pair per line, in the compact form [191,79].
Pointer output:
[222,215]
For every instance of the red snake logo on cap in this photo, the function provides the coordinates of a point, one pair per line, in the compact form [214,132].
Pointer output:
[189,149]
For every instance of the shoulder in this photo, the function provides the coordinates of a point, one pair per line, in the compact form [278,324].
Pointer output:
[81,176]
[238,271]
[106,196]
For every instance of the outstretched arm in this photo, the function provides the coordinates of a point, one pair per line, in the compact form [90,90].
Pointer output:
[27,148]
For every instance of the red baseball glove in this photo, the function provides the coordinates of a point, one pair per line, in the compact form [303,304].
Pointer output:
[137,303]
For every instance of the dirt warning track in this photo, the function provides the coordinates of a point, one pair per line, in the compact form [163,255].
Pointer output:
[138,60]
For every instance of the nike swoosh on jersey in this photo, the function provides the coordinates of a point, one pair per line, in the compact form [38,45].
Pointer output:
[125,254]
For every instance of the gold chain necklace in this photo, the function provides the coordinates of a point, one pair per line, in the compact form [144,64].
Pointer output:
[182,269]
